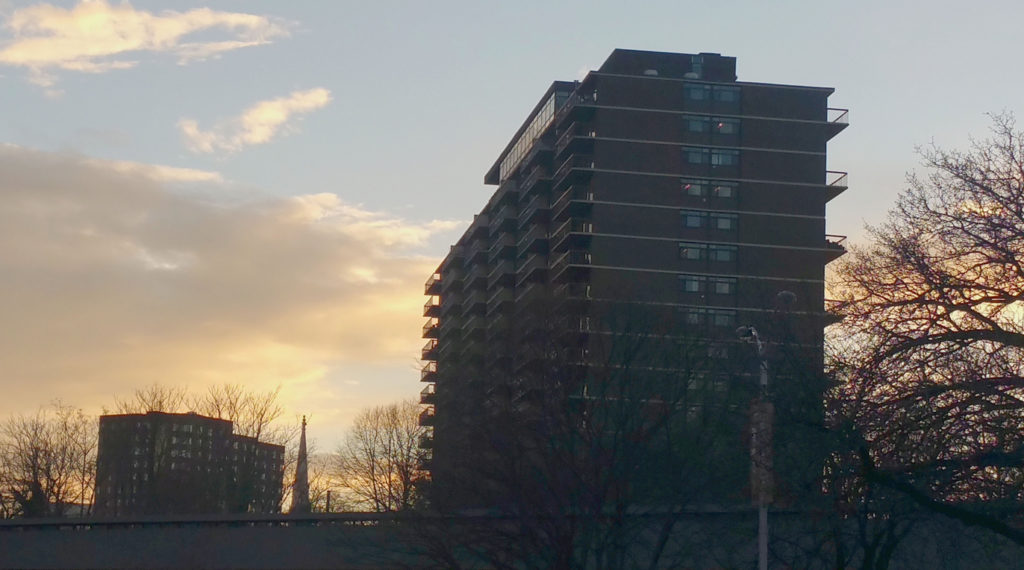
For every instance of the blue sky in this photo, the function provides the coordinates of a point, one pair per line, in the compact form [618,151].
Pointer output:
[255,191]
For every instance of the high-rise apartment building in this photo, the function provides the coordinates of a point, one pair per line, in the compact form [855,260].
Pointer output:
[161,463]
[658,185]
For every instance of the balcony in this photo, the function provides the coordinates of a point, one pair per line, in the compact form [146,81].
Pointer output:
[479,228]
[540,150]
[504,219]
[433,285]
[452,277]
[429,372]
[571,266]
[577,106]
[427,395]
[476,276]
[536,210]
[576,168]
[537,179]
[834,246]
[835,183]
[430,329]
[534,240]
[427,417]
[426,440]
[574,233]
[528,294]
[499,301]
[573,293]
[534,268]
[502,275]
[476,302]
[474,326]
[836,120]
[429,351]
[579,137]
[575,201]
[432,308]
[504,247]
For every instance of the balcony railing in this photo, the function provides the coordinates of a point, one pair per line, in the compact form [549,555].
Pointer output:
[572,194]
[429,351]
[504,245]
[433,285]
[427,395]
[538,174]
[835,241]
[475,300]
[573,162]
[574,130]
[501,272]
[575,100]
[432,307]
[836,121]
[535,264]
[566,230]
[837,179]
[838,116]
[429,372]
[476,276]
[505,218]
[501,297]
[537,205]
[426,441]
[573,257]
[532,240]
[430,329]
[427,417]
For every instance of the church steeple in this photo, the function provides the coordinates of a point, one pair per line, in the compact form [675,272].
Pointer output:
[300,488]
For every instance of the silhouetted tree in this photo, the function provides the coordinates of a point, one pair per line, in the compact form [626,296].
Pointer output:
[47,462]
[378,463]
[932,342]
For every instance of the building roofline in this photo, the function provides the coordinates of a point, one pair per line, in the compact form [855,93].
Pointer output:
[491,177]
[153,413]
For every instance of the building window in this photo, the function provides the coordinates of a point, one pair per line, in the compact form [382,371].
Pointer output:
[696,155]
[723,285]
[722,318]
[724,190]
[693,251]
[693,218]
[694,188]
[697,92]
[692,283]
[698,124]
[725,157]
[693,316]
[724,222]
[722,253]
[726,94]
[725,126]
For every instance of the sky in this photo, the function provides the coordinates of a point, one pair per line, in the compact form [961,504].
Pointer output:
[194,193]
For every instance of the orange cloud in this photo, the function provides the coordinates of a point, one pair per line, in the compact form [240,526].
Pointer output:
[111,281]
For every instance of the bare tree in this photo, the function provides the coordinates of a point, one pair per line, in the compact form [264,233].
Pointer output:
[933,338]
[48,462]
[153,398]
[379,461]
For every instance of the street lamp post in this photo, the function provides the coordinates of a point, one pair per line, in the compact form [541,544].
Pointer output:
[761,413]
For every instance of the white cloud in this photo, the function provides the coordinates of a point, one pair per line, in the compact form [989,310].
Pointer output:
[159,172]
[256,125]
[111,282]
[97,37]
